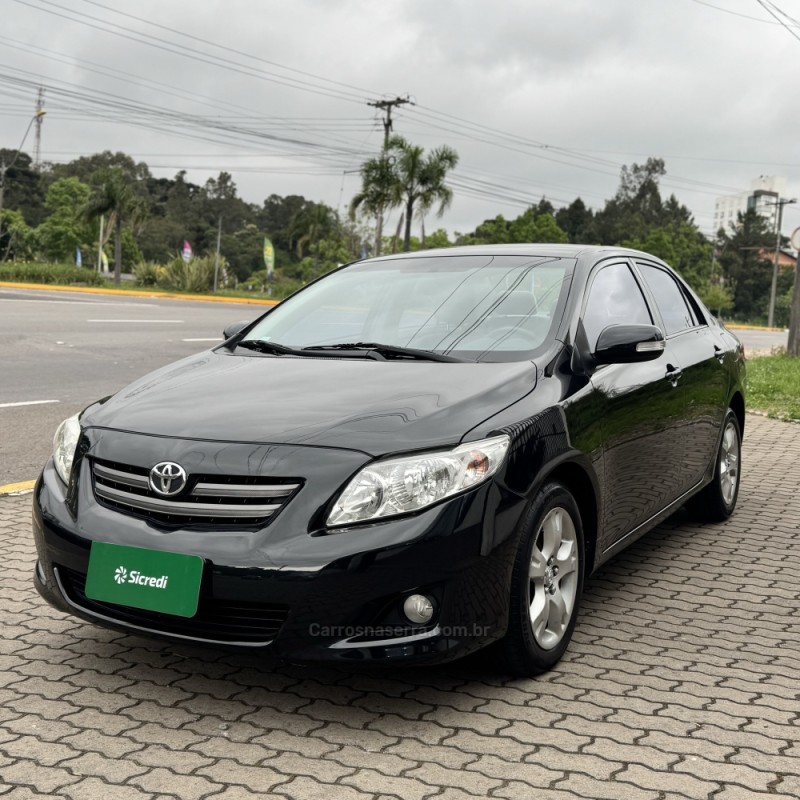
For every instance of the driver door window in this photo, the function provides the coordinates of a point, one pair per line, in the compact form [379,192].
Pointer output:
[614,299]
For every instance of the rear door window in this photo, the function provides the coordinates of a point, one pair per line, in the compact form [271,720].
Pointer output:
[675,311]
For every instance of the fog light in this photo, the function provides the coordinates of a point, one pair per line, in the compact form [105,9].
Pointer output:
[418,609]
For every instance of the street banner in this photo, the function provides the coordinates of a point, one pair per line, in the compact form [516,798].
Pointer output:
[78,259]
[187,251]
[104,260]
[269,258]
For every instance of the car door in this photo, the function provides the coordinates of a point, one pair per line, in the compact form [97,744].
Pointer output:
[641,408]
[701,355]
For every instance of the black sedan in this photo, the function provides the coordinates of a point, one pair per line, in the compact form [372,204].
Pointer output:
[411,458]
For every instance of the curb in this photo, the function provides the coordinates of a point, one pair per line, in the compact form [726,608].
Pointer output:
[54,287]
[17,488]
[736,326]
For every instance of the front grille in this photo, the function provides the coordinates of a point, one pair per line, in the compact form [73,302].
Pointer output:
[207,500]
[216,621]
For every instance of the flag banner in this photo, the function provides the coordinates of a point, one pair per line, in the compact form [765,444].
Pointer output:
[363,251]
[187,251]
[104,260]
[269,257]
[78,258]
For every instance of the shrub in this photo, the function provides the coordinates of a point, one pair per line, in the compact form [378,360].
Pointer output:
[50,273]
[195,276]
[147,273]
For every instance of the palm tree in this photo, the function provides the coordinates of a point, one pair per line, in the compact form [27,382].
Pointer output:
[379,192]
[114,198]
[421,180]
[309,225]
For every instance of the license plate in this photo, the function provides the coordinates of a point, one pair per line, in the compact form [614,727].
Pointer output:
[141,578]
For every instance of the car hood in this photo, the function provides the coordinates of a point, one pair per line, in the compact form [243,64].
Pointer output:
[377,407]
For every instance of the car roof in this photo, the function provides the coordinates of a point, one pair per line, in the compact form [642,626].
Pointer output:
[533,249]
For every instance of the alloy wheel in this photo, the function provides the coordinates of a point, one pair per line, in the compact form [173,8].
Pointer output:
[729,463]
[553,578]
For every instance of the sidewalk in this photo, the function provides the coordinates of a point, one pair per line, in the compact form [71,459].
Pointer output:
[681,682]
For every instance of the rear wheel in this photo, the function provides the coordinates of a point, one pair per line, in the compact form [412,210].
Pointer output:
[717,501]
[546,585]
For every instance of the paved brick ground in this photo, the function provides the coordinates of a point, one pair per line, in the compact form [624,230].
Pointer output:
[682,681]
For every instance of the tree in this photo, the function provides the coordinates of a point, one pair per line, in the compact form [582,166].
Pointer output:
[636,207]
[746,263]
[65,229]
[21,186]
[576,221]
[114,198]
[379,192]
[420,181]
[19,241]
[309,226]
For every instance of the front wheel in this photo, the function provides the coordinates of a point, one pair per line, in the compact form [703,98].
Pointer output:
[717,501]
[546,584]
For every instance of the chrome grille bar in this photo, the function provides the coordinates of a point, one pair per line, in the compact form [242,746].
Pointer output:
[243,490]
[125,478]
[188,509]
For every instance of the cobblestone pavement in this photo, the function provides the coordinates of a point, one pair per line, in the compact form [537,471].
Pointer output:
[682,681]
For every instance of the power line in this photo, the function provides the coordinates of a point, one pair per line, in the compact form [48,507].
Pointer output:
[768,7]
[172,48]
[230,49]
[734,13]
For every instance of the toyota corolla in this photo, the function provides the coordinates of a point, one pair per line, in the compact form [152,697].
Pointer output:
[411,458]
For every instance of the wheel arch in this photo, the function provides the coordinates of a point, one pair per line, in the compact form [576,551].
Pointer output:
[737,406]
[579,483]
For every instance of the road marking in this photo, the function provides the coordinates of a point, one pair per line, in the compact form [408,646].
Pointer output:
[28,403]
[215,339]
[17,488]
[173,321]
[76,302]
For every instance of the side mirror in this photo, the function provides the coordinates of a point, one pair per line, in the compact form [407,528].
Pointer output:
[628,344]
[234,328]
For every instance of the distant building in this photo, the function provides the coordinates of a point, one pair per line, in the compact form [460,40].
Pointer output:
[764,192]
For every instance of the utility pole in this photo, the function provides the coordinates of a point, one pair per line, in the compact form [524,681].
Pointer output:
[37,149]
[386,106]
[793,348]
[100,245]
[774,290]
[216,257]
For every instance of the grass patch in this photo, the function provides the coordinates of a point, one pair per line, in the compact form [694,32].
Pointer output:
[773,385]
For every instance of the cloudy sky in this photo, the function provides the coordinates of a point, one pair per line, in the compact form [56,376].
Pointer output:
[539,97]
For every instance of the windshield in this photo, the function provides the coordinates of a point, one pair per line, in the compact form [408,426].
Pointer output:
[488,308]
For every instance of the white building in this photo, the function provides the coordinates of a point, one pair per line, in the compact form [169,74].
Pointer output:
[764,192]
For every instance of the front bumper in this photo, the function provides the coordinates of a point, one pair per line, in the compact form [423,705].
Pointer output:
[304,597]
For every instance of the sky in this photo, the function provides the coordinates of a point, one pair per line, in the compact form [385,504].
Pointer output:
[538,97]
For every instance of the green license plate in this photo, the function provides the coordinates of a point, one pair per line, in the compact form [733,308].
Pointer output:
[149,579]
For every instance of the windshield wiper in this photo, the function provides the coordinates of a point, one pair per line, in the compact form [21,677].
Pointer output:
[386,350]
[272,348]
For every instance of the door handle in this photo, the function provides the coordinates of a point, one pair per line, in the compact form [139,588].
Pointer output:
[719,353]
[673,374]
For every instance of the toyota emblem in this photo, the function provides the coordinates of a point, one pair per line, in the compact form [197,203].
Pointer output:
[167,478]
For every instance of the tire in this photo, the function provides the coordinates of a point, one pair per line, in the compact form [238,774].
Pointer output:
[717,501]
[547,578]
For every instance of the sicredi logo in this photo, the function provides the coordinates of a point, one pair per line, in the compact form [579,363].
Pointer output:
[121,576]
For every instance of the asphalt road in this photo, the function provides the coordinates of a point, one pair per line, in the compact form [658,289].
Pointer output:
[61,351]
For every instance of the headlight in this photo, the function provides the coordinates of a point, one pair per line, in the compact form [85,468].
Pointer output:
[401,485]
[64,443]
